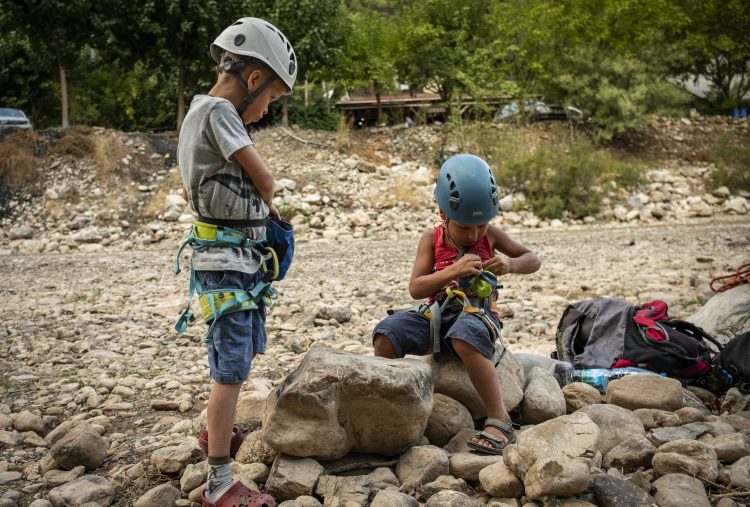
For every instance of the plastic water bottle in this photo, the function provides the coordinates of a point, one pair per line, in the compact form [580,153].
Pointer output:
[596,377]
[629,370]
[600,377]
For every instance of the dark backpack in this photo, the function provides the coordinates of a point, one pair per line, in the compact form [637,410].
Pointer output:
[732,365]
[611,333]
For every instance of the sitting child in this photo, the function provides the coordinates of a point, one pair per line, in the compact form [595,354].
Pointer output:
[456,253]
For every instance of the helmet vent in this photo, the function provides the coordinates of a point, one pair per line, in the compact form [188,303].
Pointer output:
[292,67]
[453,185]
[271,28]
[237,23]
[282,38]
[448,176]
[239,40]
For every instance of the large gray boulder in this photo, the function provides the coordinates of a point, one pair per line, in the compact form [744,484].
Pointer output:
[726,314]
[84,490]
[452,380]
[77,443]
[336,402]
[615,424]
[542,399]
[554,457]
[448,417]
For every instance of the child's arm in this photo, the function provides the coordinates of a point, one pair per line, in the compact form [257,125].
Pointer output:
[424,283]
[519,258]
[255,167]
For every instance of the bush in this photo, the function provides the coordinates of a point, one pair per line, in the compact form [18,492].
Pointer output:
[732,158]
[18,162]
[316,116]
[568,178]
[615,92]
[558,175]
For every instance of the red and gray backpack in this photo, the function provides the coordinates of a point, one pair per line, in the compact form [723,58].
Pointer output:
[611,333]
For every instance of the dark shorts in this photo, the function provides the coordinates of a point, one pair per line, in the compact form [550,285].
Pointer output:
[409,332]
[237,336]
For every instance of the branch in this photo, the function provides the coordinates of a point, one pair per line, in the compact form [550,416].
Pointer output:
[304,141]
[360,466]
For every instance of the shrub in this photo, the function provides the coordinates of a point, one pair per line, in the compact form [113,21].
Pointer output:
[732,158]
[76,142]
[18,162]
[558,175]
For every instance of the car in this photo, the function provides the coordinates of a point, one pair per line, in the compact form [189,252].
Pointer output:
[537,110]
[13,118]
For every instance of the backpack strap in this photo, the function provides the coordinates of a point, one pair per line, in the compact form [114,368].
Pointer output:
[697,332]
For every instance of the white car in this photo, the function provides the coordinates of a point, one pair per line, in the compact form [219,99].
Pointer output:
[13,118]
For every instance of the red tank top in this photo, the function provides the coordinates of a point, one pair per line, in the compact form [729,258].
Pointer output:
[445,253]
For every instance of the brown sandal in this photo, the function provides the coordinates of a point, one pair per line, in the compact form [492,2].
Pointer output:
[239,495]
[497,444]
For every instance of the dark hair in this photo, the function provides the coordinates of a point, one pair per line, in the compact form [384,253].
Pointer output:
[243,62]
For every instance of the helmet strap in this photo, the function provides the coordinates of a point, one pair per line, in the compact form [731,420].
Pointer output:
[250,96]
[235,69]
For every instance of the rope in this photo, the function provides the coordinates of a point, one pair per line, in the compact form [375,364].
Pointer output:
[742,275]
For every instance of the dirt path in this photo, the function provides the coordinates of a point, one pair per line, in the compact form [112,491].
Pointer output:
[94,332]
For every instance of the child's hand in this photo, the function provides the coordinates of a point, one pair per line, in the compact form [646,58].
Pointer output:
[468,265]
[273,211]
[498,265]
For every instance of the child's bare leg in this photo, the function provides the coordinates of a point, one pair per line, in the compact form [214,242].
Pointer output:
[484,379]
[383,347]
[222,404]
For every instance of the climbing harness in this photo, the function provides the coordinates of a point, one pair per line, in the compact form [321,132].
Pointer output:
[215,303]
[479,306]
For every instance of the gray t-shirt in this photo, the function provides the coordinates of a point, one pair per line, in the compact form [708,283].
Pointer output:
[216,184]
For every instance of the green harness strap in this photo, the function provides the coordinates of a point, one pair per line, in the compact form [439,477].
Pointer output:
[219,302]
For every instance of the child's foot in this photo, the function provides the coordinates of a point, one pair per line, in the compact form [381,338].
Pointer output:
[234,447]
[497,434]
[239,495]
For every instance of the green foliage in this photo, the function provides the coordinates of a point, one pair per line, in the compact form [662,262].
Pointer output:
[126,99]
[615,92]
[732,157]
[718,46]
[130,64]
[557,175]
[316,116]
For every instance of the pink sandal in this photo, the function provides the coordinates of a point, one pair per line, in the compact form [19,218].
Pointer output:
[237,438]
[238,495]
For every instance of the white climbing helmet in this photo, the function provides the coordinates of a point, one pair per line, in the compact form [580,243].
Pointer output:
[259,39]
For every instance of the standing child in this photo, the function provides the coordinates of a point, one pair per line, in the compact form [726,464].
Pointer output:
[230,187]
[456,268]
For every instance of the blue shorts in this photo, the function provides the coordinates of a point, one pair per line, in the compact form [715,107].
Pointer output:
[237,336]
[409,332]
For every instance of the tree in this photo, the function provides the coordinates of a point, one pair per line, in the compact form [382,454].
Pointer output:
[56,30]
[717,39]
[24,78]
[616,60]
[315,30]
[442,42]
[367,57]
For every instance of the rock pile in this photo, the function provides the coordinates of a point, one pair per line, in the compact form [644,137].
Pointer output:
[331,190]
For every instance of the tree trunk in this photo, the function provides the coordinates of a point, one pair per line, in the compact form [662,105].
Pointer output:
[285,111]
[64,96]
[181,97]
[307,95]
[377,101]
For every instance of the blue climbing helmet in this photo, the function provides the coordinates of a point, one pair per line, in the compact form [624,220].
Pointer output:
[466,190]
